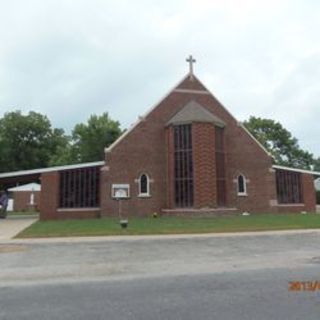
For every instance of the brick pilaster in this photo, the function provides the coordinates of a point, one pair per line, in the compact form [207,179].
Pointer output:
[205,190]
[309,194]
[49,195]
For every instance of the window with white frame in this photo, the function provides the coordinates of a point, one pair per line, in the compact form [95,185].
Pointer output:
[242,185]
[144,185]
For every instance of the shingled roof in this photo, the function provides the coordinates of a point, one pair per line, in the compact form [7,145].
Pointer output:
[194,112]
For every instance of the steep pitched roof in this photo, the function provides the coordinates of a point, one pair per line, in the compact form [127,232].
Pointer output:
[187,85]
[191,83]
[195,112]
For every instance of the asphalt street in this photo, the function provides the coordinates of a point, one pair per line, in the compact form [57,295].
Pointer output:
[243,277]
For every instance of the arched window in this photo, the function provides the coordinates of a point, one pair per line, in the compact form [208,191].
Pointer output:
[144,185]
[242,185]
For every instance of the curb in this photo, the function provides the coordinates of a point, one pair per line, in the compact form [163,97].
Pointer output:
[158,237]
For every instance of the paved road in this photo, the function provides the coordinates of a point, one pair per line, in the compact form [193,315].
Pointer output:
[201,278]
[257,295]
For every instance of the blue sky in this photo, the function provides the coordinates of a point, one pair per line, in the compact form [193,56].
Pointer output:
[72,58]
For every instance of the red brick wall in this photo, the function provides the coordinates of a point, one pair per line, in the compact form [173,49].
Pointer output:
[49,201]
[49,195]
[309,193]
[205,187]
[294,208]
[145,149]
[21,200]
[78,214]
[203,165]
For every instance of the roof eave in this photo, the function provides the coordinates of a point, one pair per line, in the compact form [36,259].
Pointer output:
[314,173]
[50,169]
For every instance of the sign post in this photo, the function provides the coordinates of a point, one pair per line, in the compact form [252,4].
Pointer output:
[121,192]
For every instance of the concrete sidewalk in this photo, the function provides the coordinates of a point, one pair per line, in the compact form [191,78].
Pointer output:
[11,226]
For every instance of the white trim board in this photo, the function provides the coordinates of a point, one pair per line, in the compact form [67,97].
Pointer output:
[62,210]
[315,173]
[51,169]
[191,91]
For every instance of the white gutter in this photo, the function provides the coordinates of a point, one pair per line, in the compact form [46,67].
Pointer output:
[51,169]
[315,173]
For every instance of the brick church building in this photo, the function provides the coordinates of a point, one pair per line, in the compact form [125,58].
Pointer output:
[187,156]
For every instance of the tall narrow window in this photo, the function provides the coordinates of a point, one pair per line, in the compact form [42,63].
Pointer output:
[242,185]
[79,188]
[144,187]
[183,166]
[289,188]
[220,166]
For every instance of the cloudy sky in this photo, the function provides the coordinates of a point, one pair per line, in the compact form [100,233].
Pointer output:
[69,59]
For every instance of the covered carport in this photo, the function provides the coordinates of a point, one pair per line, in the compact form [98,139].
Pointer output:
[17,178]
[10,180]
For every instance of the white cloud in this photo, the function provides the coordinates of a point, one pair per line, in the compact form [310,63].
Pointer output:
[71,58]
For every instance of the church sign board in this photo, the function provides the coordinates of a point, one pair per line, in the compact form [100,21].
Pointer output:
[120,191]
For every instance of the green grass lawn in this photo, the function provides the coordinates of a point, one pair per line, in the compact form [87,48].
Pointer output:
[170,225]
[22,213]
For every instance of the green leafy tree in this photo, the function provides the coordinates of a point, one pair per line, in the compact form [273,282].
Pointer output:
[64,154]
[27,141]
[316,164]
[90,139]
[279,142]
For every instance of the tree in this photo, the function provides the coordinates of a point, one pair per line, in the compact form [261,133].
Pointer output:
[280,143]
[316,164]
[90,139]
[64,154]
[28,141]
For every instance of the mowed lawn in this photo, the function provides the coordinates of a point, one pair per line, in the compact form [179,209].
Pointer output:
[170,225]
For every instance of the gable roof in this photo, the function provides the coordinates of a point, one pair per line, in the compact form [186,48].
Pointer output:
[140,119]
[195,112]
[189,84]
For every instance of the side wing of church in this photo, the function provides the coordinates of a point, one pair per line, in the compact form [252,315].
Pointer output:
[187,156]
